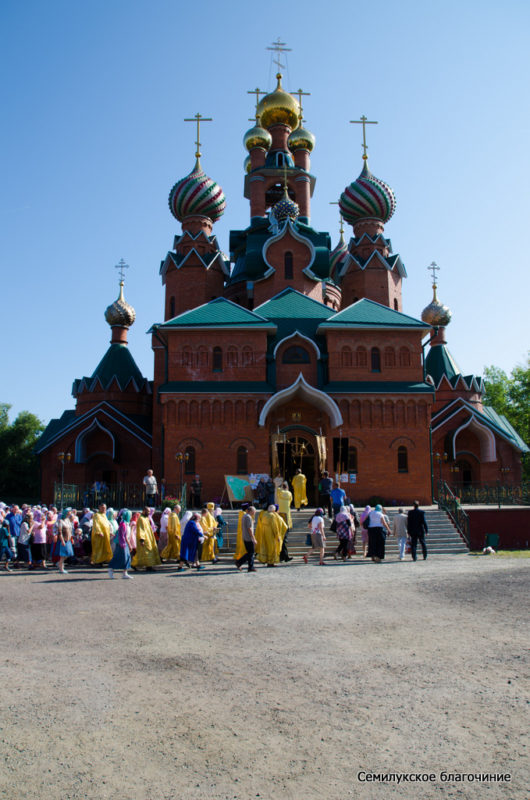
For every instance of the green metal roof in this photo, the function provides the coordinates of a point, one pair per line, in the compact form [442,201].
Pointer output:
[118,363]
[501,422]
[369,314]
[291,304]
[217,313]
[378,387]
[212,387]
[440,362]
[53,429]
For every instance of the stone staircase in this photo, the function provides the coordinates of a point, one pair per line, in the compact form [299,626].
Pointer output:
[442,539]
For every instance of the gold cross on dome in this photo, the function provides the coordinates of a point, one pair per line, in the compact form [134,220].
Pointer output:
[364,121]
[434,268]
[198,118]
[301,94]
[279,47]
[121,266]
[257,92]
[341,218]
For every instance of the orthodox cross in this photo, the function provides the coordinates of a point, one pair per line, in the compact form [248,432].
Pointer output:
[257,92]
[364,121]
[121,267]
[198,118]
[434,268]
[301,93]
[336,203]
[279,47]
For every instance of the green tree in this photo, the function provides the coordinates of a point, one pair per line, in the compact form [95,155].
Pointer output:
[510,396]
[19,467]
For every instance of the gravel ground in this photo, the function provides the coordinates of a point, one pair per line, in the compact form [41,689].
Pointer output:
[279,685]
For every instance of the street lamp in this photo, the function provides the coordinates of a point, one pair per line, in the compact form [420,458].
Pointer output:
[181,458]
[62,458]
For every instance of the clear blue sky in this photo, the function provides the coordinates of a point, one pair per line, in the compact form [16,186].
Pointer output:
[94,96]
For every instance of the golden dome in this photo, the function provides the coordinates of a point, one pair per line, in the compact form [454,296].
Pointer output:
[436,313]
[257,137]
[278,108]
[301,139]
[120,312]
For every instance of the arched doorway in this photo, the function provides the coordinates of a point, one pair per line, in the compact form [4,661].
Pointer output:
[297,451]
[465,473]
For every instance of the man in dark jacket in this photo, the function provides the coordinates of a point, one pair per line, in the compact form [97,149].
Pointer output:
[416,529]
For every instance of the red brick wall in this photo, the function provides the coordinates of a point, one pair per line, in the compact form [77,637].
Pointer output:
[512,524]
[400,347]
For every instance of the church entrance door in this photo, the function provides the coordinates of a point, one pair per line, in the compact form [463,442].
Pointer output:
[298,452]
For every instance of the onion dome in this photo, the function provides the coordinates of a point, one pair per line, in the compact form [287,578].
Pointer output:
[120,313]
[278,108]
[247,164]
[285,209]
[436,313]
[197,194]
[257,137]
[337,256]
[367,198]
[301,139]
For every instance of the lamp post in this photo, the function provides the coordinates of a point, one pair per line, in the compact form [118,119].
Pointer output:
[181,458]
[504,472]
[62,458]
[439,458]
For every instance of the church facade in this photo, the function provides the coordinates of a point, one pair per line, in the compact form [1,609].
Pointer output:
[288,353]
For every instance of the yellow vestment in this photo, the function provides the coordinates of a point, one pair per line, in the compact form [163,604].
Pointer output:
[146,546]
[101,549]
[172,549]
[299,488]
[209,526]
[270,531]
[284,505]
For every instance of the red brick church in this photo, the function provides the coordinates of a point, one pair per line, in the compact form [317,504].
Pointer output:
[287,353]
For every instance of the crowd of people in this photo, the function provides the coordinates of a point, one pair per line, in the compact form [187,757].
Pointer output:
[37,536]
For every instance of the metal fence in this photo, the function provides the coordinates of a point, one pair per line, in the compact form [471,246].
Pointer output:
[497,494]
[119,495]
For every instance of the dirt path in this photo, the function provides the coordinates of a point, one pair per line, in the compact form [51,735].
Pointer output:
[280,685]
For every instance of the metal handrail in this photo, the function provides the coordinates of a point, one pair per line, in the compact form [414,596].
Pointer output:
[449,503]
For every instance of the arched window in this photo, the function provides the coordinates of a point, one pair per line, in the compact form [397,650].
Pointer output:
[202,357]
[288,266]
[402,459]
[279,159]
[242,461]
[390,357]
[361,357]
[376,359]
[404,357]
[231,357]
[171,307]
[352,459]
[345,357]
[217,360]
[246,356]
[189,460]
[186,356]
[296,355]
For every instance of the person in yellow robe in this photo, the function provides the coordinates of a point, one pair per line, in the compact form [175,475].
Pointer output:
[101,549]
[299,488]
[284,504]
[209,526]
[240,547]
[146,547]
[270,531]
[172,549]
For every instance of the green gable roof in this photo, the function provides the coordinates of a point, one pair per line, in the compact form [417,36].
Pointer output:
[118,363]
[369,314]
[218,313]
[291,304]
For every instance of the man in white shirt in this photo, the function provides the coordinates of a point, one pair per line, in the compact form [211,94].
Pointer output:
[150,488]
[399,529]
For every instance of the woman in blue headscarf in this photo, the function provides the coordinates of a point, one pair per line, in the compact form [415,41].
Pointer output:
[122,554]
